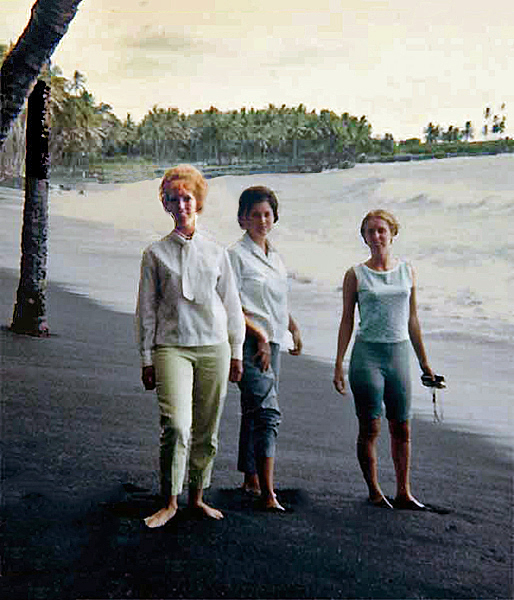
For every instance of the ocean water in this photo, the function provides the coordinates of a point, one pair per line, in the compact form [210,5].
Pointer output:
[455,218]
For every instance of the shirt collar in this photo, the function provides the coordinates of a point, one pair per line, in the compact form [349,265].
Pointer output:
[180,239]
[255,248]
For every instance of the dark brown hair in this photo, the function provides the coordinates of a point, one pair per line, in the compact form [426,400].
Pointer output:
[255,195]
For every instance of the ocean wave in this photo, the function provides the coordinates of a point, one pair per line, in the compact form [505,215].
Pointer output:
[363,187]
[470,336]
[467,298]
[490,205]
[508,208]
[485,203]
[420,201]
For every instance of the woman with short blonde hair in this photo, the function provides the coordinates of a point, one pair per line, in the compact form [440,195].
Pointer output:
[384,289]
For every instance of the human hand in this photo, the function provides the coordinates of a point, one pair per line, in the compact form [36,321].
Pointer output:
[427,371]
[263,354]
[339,379]
[236,370]
[148,377]
[297,343]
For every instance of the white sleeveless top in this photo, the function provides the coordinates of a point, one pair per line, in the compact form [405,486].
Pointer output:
[383,298]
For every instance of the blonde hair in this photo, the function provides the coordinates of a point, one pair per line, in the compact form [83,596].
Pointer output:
[184,176]
[380,213]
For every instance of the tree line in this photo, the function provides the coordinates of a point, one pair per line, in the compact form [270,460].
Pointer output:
[81,129]
[84,132]
[494,124]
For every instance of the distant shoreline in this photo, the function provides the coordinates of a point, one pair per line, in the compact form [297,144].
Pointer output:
[130,171]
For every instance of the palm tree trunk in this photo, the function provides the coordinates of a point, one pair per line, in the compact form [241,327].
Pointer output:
[48,23]
[295,150]
[30,310]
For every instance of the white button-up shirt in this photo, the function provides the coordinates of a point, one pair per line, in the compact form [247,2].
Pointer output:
[187,296]
[262,283]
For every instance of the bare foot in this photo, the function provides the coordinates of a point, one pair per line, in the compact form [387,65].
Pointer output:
[161,517]
[251,484]
[272,504]
[250,490]
[408,503]
[381,502]
[206,511]
[377,498]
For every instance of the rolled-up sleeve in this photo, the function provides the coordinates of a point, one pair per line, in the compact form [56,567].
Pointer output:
[146,310]
[229,294]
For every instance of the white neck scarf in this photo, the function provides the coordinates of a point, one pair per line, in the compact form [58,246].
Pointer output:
[194,288]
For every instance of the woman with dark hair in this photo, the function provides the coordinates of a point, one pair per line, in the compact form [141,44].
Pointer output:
[384,289]
[191,330]
[262,282]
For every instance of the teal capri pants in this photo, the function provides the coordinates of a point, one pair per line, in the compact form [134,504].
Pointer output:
[380,372]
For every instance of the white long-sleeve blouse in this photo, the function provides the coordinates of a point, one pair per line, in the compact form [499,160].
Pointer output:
[262,283]
[187,296]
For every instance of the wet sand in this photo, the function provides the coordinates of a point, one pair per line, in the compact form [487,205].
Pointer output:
[80,470]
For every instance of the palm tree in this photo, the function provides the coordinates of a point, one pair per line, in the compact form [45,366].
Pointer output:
[487,116]
[78,125]
[432,133]
[467,132]
[296,125]
[176,134]
[48,23]
[12,154]
[128,135]
[328,132]
[78,83]
[30,310]
[357,134]
[452,134]
[499,124]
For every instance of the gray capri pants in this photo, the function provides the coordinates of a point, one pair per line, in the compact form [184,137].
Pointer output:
[260,413]
[380,372]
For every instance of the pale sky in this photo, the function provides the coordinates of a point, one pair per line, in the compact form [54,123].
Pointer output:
[400,63]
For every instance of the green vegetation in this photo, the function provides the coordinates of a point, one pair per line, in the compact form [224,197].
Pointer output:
[281,138]
[89,140]
[446,143]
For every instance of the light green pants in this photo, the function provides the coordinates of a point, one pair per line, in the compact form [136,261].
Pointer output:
[191,389]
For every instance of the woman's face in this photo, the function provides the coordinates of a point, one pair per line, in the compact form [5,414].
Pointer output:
[181,204]
[377,234]
[259,220]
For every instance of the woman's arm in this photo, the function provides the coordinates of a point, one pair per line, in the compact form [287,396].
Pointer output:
[263,355]
[229,294]
[297,338]
[345,327]
[415,330]
[146,318]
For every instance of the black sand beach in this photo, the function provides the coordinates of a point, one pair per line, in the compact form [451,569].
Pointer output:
[79,470]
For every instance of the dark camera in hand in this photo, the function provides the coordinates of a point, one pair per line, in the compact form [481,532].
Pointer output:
[438,381]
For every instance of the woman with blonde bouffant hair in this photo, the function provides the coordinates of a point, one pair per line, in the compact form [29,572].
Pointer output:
[190,330]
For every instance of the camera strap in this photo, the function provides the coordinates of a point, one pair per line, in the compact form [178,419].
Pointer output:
[437,407]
